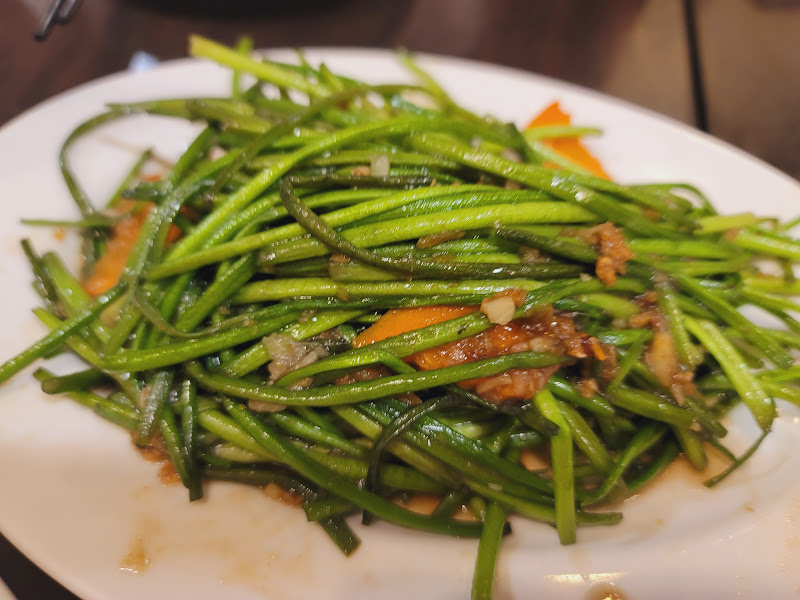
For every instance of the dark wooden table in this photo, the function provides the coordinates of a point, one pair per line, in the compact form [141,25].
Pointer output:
[731,67]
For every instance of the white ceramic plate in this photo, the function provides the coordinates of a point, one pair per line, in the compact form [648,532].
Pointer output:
[77,498]
[5,593]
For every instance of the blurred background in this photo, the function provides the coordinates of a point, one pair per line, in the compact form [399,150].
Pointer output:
[729,67]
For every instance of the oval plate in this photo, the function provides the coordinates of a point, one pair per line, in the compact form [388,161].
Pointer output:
[79,500]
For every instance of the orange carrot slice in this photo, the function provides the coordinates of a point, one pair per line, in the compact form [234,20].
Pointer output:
[570,148]
[109,267]
[515,384]
[401,320]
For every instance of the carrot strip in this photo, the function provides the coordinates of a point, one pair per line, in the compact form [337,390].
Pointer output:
[515,384]
[109,266]
[402,320]
[570,148]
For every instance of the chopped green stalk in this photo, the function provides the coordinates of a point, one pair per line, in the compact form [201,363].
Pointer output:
[295,458]
[738,462]
[397,427]
[130,178]
[153,407]
[410,265]
[483,577]
[668,305]
[783,247]
[189,430]
[692,448]
[79,381]
[241,62]
[585,438]
[58,336]
[733,318]
[668,454]
[124,415]
[171,436]
[321,509]
[651,406]
[717,223]
[563,464]
[644,439]
[332,395]
[746,384]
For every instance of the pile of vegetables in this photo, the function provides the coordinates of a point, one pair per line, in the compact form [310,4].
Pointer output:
[363,293]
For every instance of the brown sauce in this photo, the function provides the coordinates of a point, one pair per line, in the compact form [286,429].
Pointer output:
[137,559]
[605,591]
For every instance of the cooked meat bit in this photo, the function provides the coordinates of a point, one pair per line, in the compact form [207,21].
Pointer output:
[339,258]
[500,307]
[662,360]
[289,497]
[288,354]
[530,256]
[365,374]
[156,452]
[514,384]
[646,318]
[410,398]
[609,364]
[660,356]
[361,171]
[588,387]
[584,346]
[546,331]
[429,241]
[649,316]
[168,475]
[614,252]
[372,373]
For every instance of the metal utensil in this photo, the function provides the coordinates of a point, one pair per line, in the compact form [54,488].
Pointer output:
[59,13]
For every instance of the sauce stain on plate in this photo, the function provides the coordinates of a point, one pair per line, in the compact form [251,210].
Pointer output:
[136,560]
[605,591]
[251,547]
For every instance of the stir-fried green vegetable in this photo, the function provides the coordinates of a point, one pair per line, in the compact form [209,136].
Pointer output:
[282,314]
